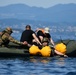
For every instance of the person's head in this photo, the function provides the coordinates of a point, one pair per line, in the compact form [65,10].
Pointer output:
[28,27]
[46,30]
[45,42]
[9,30]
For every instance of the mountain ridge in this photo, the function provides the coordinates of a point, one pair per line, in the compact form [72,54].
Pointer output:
[57,13]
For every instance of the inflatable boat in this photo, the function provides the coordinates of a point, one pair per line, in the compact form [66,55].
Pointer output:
[14,50]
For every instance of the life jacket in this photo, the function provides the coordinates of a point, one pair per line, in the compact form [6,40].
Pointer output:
[45,51]
[42,30]
[61,48]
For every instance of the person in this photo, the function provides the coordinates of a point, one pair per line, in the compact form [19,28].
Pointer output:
[45,50]
[5,37]
[28,35]
[41,33]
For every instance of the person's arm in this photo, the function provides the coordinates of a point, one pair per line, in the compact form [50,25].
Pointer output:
[41,38]
[26,43]
[52,42]
[15,41]
[59,53]
[34,36]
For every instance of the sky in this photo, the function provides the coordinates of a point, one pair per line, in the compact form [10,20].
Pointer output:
[37,3]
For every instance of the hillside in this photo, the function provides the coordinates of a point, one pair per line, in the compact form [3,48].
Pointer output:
[57,13]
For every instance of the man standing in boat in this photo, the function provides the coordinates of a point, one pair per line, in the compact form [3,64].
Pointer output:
[5,37]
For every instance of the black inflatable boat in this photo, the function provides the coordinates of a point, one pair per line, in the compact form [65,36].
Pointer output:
[14,50]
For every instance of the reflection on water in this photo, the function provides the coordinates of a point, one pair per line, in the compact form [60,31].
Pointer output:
[43,60]
[38,66]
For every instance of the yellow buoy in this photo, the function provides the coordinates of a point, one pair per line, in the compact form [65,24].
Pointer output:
[34,50]
[46,51]
[61,48]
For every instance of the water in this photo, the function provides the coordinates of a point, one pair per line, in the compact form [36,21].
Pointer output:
[38,66]
[41,65]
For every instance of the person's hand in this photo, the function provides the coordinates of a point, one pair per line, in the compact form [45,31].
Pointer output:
[25,43]
[65,56]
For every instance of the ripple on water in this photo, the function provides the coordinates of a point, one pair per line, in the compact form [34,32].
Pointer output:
[38,66]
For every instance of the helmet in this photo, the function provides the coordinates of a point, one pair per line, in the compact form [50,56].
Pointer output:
[8,29]
[45,40]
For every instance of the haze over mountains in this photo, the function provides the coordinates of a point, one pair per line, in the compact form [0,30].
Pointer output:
[57,13]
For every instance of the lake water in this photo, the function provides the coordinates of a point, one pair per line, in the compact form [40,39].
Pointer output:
[41,65]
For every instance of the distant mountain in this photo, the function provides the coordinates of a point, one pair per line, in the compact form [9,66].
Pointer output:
[57,13]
